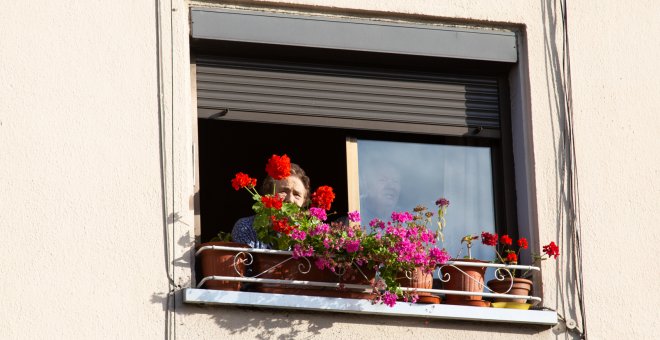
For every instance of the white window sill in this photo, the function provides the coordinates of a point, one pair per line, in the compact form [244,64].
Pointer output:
[355,306]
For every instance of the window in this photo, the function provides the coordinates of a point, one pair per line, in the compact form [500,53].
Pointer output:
[397,176]
[336,98]
[439,126]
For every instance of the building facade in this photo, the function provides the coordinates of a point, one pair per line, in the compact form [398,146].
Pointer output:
[99,109]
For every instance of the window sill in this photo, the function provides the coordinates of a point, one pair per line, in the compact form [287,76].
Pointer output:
[355,306]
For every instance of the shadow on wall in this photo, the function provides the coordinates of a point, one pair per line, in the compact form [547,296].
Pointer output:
[557,61]
[243,322]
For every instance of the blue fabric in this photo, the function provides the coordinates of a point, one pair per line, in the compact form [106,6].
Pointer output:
[243,232]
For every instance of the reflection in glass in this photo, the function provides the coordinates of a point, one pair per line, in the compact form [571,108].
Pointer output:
[396,176]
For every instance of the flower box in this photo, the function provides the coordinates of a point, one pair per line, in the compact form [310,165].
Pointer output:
[216,261]
[285,267]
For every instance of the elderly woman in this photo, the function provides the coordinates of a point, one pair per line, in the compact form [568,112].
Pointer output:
[292,189]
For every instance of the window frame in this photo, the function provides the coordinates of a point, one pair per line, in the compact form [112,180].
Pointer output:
[503,160]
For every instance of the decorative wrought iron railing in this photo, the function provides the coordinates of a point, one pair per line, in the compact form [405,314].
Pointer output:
[244,255]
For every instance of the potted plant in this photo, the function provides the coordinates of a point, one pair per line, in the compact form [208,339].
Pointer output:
[221,262]
[404,248]
[340,252]
[516,282]
[465,278]
[320,251]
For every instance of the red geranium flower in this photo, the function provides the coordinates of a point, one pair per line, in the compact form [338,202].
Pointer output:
[505,239]
[323,197]
[271,202]
[551,249]
[522,243]
[242,180]
[511,257]
[489,239]
[281,225]
[279,167]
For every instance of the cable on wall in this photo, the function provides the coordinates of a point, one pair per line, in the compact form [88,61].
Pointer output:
[170,303]
[574,223]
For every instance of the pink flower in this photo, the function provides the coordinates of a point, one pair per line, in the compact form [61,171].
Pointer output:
[352,246]
[318,213]
[299,251]
[428,237]
[298,234]
[320,229]
[402,217]
[354,216]
[419,258]
[377,223]
[389,299]
[322,263]
[439,255]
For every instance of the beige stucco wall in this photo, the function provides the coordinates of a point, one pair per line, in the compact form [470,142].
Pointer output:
[84,148]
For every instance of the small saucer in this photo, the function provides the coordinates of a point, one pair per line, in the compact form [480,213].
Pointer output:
[429,299]
[475,303]
[514,305]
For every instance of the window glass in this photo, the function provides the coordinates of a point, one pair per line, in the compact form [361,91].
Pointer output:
[397,176]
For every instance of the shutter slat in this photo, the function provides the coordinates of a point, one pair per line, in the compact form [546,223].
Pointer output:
[288,91]
[272,84]
[323,98]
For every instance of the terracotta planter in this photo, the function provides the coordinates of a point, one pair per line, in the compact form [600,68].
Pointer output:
[283,267]
[467,279]
[221,263]
[520,287]
[419,279]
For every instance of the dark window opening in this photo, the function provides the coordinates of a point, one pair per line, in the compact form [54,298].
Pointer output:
[241,141]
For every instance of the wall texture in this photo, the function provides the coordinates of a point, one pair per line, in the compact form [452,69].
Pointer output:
[80,171]
[96,172]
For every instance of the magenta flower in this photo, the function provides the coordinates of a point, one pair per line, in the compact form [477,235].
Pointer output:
[442,202]
[298,234]
[320,229]
[354,216]
[428,237]
[377,223]
[389,299]
[439,255]
[299,251]
[352,245]
[402,217]
[318,213]
[322,263]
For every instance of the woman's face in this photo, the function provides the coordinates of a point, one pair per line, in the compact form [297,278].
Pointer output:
[291,190]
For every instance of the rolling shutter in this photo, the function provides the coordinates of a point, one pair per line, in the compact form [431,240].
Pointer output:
[243,90]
